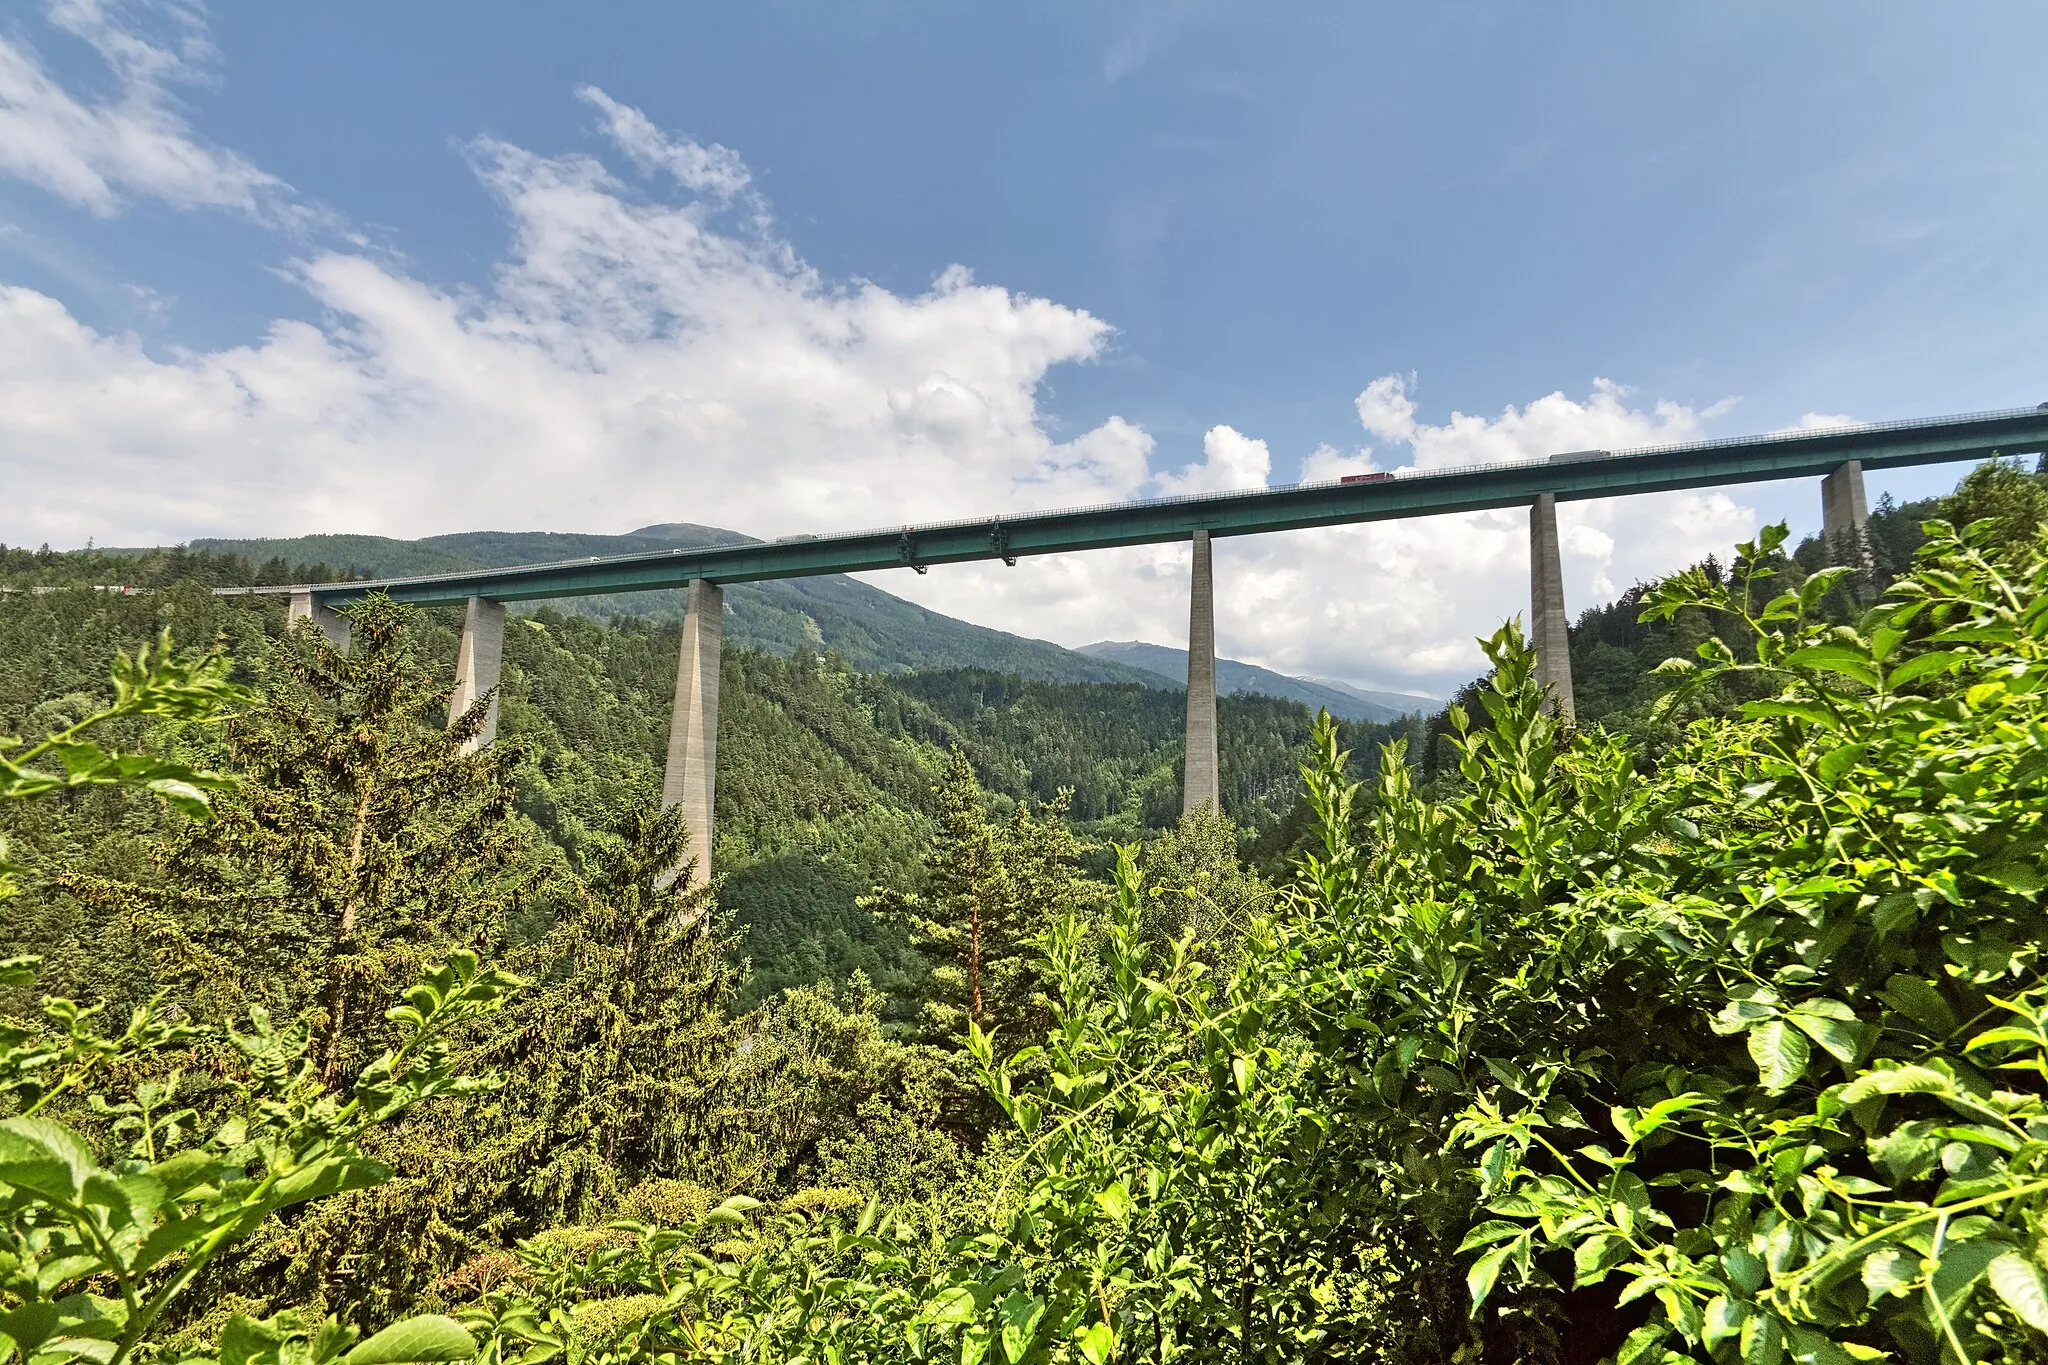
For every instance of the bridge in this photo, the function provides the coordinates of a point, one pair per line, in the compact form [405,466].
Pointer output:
[1838,456]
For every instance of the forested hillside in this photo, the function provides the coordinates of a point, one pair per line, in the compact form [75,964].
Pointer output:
[873,630]
[825,773]
[1711,1028]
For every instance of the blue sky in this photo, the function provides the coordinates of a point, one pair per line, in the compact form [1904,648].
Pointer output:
[267,229]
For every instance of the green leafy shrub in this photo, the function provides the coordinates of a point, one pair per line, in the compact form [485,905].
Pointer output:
[1840,1152]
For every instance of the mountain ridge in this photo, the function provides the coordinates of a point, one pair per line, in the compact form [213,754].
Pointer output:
[1169,667]
[873,630]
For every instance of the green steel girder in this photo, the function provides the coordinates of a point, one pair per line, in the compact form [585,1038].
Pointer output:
[1574,476]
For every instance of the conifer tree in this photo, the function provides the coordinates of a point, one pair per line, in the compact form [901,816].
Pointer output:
[989,889]
[1198,886]
[614,1060]
[358,843]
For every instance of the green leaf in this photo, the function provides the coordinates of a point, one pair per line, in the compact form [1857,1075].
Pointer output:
[1745,1268]
[1763,1340]
[1780,1054]
[1897,1080]
[1813,713]
[247,1341]
[1641,1342]
[1888,1271]
[953,1308]
[1962,1265]
[1843,1040]
[185,1170]
[30,1325]
[1809,1346]
[328,1175]
[1479,1279]
[169,1238]
[1784,607]
[334,1336]
[1020,1314]
[1487,1233]
[1839,760]
[1724,1319]
[2015,877]
[87,1317]
[1592,1258]
[44,1157]
[1920,1001]
[181,794]
[2017,1280]
[1817,586]
[1098,1343]
[427,1338]
[1850,663]
[1926,666]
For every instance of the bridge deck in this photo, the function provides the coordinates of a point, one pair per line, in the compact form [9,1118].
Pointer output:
[1507,484]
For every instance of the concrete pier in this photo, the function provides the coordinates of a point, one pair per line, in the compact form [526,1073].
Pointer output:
[691,778]
[1547,621]
[476,667]
[1845,515]
[306,607]
[1202,780]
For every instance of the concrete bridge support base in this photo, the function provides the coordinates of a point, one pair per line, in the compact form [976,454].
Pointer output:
[477,667]
[1202,779]
[691,777]
[306,607]
[1845,515]
[1547,621]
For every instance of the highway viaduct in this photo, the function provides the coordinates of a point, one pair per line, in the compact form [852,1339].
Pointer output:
[1838,456]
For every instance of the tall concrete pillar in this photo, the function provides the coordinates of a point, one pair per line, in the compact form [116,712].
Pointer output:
[476,667]
[691,778]
[1202,782]
[1547,622]
[1845,513]
[306,607]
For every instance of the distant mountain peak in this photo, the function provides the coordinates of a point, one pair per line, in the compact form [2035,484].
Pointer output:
[1170,666]
[690,535]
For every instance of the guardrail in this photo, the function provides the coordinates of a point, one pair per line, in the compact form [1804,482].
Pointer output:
[1569,476]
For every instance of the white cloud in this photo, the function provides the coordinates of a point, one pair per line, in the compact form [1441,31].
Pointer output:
[133,141]
[1230,460]
[1396,604]
[636,359]
[711,170]
[1385,410]
[1825,421]
[657,352]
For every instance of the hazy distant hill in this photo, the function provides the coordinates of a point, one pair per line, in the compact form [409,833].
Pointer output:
[1169,668]
[873,630]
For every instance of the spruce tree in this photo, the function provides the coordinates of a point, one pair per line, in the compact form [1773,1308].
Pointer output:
[613,1061]
[358,842]
[1199,887]
[989,889]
